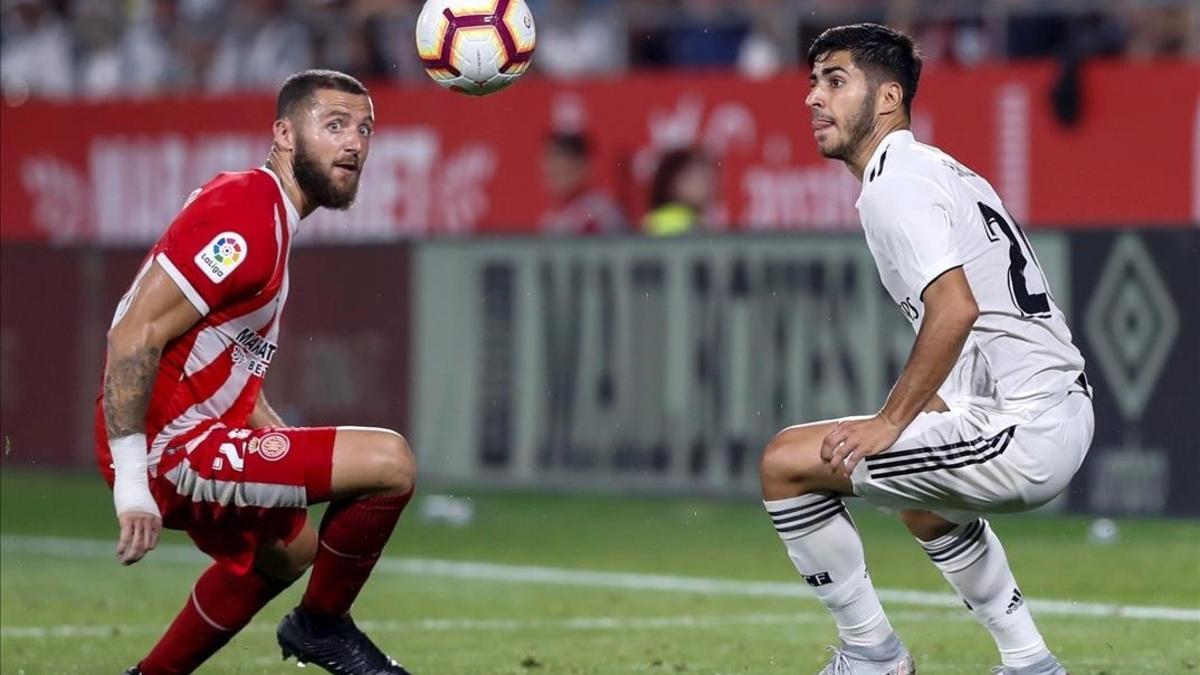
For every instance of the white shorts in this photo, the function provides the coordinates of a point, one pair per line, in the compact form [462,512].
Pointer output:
[944,462]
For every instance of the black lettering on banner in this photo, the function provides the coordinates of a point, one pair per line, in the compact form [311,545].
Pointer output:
[498,340]
[562,290]
[647,431]
[740,297]
[1030,304]
[706,341]
[765,336]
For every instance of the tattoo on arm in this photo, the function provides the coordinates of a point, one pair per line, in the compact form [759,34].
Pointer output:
[128,385]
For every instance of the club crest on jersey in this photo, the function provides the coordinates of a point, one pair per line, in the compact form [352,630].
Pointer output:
[222,255]
[273,447]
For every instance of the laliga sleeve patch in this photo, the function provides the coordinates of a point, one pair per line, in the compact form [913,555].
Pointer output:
[222,255]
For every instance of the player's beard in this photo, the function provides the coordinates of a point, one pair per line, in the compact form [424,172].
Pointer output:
[318,184]
[858,128]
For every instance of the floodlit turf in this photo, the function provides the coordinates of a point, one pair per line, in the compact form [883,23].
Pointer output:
[85,614]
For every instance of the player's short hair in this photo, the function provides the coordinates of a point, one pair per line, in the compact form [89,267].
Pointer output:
[570,143]
[300,87]
[882,52]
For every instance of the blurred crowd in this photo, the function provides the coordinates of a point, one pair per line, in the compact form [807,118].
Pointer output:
[129,48]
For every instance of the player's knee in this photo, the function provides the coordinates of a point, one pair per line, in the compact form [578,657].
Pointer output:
[394,463]
[773,465]
[785,460]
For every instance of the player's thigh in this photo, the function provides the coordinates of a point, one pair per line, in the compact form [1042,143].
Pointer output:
[945,463]
[368,460]
[233,490]
[942,462]
[1046,453]
[252,468]
[791,463]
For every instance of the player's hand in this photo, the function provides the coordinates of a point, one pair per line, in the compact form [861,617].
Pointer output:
[139,535]
[850,441]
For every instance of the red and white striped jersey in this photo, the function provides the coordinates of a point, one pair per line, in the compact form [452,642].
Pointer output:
[227,250]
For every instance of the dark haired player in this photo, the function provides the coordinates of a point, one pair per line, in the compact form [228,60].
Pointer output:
[991,413]
[185,437]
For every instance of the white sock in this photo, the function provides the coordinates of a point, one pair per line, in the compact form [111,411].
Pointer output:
[824,546]
[973,561]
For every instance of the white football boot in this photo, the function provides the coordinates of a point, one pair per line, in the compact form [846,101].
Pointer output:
[1047,666]
[889,658]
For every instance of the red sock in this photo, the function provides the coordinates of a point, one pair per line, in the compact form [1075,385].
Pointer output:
[221,604]
[353,534]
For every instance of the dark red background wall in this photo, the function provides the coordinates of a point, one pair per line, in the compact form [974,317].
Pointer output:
[343,355]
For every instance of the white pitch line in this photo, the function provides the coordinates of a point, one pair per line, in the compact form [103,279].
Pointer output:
[533,574]
[597,623]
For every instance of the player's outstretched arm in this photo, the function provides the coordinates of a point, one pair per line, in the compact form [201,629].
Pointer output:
[154,313]
[950,312]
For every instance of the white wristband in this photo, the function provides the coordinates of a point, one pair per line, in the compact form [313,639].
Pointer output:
[131,488]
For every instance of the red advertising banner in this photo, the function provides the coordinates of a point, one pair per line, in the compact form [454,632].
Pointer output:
[451,165]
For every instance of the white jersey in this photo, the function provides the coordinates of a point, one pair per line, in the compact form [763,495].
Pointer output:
[925,214]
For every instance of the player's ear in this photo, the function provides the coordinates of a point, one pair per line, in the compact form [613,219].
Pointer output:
[285,134]
[891,97]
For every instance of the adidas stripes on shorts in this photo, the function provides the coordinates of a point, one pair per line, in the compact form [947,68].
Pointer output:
[945,462]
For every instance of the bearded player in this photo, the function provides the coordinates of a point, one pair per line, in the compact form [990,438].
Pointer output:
[187,440]
[991,413]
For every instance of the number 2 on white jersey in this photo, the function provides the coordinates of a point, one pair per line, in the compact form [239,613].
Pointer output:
[1030,304]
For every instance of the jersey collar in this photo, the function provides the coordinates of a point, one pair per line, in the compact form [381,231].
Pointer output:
[293,215]
[878,161]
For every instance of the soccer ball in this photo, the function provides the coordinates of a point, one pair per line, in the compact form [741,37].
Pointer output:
[475,47]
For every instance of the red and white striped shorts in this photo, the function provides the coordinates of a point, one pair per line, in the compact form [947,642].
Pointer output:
[238,488]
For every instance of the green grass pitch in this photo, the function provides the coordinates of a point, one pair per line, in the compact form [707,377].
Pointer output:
[73,609]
